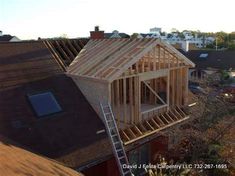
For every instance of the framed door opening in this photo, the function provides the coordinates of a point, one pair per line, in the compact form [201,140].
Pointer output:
[153,95]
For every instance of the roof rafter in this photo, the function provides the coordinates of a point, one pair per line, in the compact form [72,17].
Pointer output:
[108,59]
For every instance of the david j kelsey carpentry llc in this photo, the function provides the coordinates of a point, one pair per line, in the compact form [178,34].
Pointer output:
[157,166]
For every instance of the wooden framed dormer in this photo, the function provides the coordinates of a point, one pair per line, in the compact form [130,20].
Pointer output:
[144,80]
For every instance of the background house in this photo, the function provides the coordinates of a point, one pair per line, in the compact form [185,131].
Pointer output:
[8,38]
[97,34]
[116,34]
[210,62]
[179,38]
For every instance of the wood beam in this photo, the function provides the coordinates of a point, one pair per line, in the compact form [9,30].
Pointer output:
[178,113]
[118,102]
[155,124]
[73,48]
[154,93]
[149,125]
[125,135]
[131,132]
[55,54]
[169,117]
[154,59]
[143,128]
[76,45]
[172,113]
[180,110]
[159,57]
[157,118]
[168,90]
[138,130]
[136,99]
[164,118]
[154,131]
[124,100]
[131,99]
[62,51]
[71,55]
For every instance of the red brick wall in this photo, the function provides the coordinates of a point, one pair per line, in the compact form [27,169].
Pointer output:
[107,168]
[112,168]
[159,146]
[98,170]
[97,34]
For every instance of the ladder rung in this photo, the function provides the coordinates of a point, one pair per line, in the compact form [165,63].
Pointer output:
[108,119]
[107,113]
[123,157]
[119,150]
[115,140]
[106,106]
[127,172]
[114,135]
[117,143]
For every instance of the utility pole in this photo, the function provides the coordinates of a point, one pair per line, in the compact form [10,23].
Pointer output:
[216,47]
[228,41]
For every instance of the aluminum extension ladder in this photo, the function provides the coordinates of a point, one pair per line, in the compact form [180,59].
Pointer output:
[114,136]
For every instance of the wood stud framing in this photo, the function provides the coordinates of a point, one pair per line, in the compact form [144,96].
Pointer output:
[65,50]
[148,81]
[127,90]
[153,125]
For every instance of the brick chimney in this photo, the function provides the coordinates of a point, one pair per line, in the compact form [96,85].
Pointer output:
[97,34]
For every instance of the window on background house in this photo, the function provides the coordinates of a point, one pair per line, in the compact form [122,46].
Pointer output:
[44,104]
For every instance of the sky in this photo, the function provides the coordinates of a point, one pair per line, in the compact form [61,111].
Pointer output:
[30,19]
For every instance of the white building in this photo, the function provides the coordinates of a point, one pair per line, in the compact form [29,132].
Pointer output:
[174,38]
[8,38]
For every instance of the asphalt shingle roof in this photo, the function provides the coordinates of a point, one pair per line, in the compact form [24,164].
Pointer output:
[215,59]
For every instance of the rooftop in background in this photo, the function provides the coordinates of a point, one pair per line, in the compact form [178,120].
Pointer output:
[97,34]
[8,38]
[204,59]
[116,34]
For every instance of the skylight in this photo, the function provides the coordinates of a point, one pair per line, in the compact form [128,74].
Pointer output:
[44,104]
[203,55]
